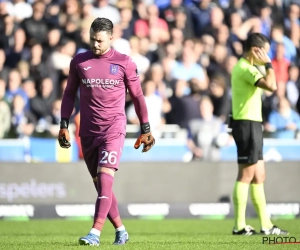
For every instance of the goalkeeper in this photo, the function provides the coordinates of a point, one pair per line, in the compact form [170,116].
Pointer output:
[247,85]
[103,75]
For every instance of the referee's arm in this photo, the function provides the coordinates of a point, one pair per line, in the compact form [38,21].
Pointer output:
[269,81]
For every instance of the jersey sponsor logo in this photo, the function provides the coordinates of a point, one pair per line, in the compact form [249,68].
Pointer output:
[114,69]
[100,83]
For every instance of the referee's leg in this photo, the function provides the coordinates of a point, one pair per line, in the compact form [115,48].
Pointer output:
[242,135]
[257,192]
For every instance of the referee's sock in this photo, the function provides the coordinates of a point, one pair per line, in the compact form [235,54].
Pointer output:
[240,197]
[258,198]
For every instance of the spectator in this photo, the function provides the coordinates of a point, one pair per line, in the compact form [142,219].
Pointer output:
[182,22]
[71,29]
[127,23]
[174,8]
[277,36]
[280,64]
[53,120]
[200,12]
[141,61]
[35,27]
[271,100]
[155,109]
[28,86]
[4,70]
[216,20]
[54,36]
[84,36]
[70,9]
[190,101]
[102,8]
[180,45]
[8,28]
[19,9]
[265,18]
[292,17]
[176,115]
[156,74]
[150,49]
[283,122]
[177,39]
[24,69]
[293,86]
[143,26]
[187,68]
[16,49]
[230,62]
[238,6]
[22,122]
[223,36]
[38,68]
[219,97]
[59,61]
[14,87]
[5,115]
[217,60]
[41,104]
[204,132]
[119,43]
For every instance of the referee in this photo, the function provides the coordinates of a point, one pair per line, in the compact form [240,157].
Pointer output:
[247,87]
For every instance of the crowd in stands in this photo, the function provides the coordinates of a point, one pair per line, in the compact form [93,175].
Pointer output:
[184,49]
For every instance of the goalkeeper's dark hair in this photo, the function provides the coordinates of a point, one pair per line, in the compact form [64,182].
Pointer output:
[256,40]
[102,24]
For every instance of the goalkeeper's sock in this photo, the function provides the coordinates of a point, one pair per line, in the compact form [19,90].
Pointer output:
[121,228]
[240,197]
[95,231]
[113,214]
[103,203]
[258,198]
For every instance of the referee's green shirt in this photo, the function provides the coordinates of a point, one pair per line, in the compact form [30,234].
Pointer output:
[246,97]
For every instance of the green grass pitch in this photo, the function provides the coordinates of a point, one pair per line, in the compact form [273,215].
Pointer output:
[144,234]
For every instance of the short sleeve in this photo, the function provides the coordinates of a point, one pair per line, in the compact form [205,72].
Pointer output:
[253,75]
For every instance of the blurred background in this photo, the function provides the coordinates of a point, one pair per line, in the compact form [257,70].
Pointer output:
[185,51]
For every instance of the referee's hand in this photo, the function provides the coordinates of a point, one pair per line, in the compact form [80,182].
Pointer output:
[260,55]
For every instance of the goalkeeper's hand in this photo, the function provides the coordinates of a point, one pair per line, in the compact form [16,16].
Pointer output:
[63,135]
[145,138]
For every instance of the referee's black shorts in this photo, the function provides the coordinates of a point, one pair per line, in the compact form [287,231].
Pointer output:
[248,138]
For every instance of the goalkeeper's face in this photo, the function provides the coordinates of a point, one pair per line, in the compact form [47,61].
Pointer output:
[100,42]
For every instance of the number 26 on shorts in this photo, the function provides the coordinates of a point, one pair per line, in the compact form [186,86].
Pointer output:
[109,157]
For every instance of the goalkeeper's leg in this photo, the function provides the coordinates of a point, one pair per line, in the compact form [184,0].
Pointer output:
[113,214]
